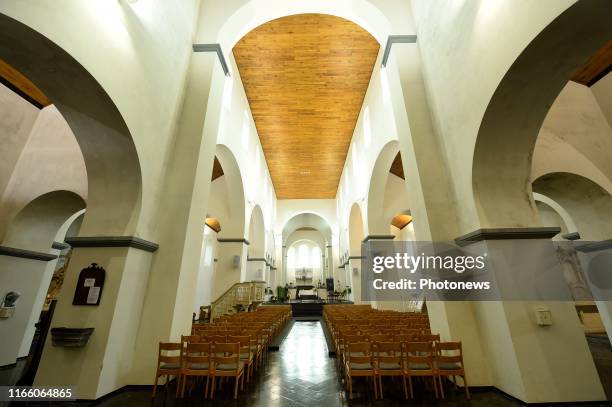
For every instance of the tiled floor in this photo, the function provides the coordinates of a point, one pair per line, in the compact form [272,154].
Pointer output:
[302,374]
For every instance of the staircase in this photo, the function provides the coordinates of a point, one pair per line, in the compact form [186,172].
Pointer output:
[246,294]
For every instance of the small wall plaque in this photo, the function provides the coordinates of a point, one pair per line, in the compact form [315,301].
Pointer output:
[89,287]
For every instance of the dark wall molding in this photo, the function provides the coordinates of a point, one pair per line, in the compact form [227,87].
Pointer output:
[113,241]
[571,236]
[594,246]
[234,240]
[508,233]
[213,48]
[378,237]
[60,246]
[26,254]
[356,257]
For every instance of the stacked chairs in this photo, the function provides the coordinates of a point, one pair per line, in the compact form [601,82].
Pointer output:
[230,347]
[400,344]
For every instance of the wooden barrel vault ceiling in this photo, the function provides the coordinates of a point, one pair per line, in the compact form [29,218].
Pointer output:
[305,78]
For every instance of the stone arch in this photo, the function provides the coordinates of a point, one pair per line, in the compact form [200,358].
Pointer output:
[566,218]
[356,230]
[307,219]
[36,225]
[28,271]
[111,159]
[511,123]
[377,221]
[585,202]
[232,203]
[255,13]
[257,233]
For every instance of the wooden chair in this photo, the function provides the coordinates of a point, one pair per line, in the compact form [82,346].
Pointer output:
[168,362]
[449,362]
[196,361]
[227,363]
[359,363]
[427,338]
[389,361]
[380,338]
[257,342]
[420,362]
[246,354]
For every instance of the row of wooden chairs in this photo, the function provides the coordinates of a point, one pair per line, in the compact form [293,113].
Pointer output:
[201,360]
[374,343]
[406,360]
[230,347]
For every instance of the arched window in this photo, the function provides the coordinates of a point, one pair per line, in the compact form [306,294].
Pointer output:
[315,259]
[291,258]
[303,258]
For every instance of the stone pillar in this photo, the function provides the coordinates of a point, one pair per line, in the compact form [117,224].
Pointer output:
[182,209]
[256,269]
[431,196]
[230,264]
[536,364]
[282,281]
[116,320]
[29,273]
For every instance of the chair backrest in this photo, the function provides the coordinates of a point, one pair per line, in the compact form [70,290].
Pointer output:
[215,338]
[388,352]
[243,340]
[449,352]
[227,353]
[381,338]
[190,338]
[169,352]
[428,338]
[354,339]
[420,352]
[196,353]
[359,352]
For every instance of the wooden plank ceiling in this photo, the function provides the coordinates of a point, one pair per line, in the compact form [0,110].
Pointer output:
[21,85]
[598,66]
[305,78]
[397,168]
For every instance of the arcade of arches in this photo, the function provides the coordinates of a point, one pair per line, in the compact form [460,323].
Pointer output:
[223,163]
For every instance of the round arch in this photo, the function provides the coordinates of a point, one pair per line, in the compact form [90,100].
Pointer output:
[231,204]
[584,201]
[258,12]
[36,225]
[356,232]
[34,228]
[257,233]
[307,219]
[567,219]
[513,118]
[111,159]
[377,222]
